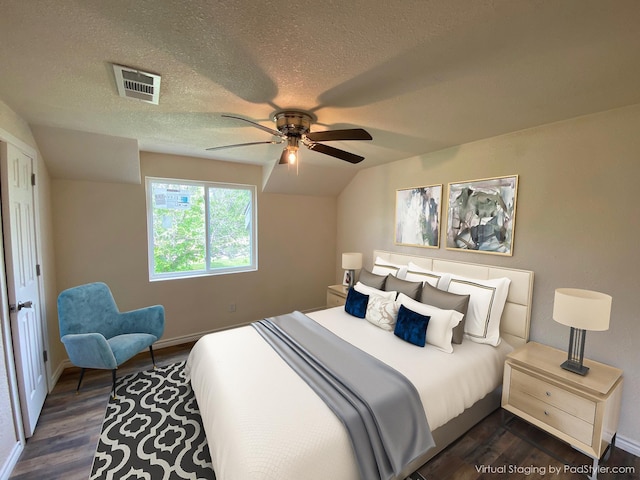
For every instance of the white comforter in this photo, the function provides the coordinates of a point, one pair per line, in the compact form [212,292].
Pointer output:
[264,423]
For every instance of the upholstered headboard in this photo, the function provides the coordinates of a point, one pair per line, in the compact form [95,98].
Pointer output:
[514,325]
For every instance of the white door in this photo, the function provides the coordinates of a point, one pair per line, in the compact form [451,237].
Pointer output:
[19,228]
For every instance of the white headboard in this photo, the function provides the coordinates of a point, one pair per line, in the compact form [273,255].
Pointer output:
[514,325]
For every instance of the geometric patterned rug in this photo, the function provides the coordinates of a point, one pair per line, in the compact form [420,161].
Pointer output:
[152,430]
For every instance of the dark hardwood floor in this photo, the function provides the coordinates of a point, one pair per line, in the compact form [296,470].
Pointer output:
[67,434]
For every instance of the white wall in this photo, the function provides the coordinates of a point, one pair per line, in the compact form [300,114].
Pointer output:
[576,223]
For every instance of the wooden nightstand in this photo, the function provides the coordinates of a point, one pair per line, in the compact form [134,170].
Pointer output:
[582,411]
[336,295]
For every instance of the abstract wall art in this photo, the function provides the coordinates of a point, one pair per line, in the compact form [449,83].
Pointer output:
[481,215]
[418,216]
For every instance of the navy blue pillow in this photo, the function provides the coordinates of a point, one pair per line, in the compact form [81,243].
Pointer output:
[356,303]
[411,326]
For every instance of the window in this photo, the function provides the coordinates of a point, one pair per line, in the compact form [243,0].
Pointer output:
[200,228]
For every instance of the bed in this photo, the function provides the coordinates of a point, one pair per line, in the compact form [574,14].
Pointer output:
[263,422]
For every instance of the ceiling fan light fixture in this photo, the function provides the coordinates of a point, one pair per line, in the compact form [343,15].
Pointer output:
[292,156]
[292,150]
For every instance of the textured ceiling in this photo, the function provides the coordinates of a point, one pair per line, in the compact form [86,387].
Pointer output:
[418,75]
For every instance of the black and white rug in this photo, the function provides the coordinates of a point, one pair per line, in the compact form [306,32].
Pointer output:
[153,430]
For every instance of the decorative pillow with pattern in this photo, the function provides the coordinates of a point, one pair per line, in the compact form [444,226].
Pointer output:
[382,312]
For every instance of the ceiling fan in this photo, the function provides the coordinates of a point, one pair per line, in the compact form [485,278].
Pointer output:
[293,128]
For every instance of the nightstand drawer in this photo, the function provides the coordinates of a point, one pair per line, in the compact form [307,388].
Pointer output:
[549,394]
[334,300]
[554,417]
[336,295]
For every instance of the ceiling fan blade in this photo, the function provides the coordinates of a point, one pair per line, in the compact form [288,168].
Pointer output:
[348,134]
[257,125]
[243,145]
[284,158]
[335,152]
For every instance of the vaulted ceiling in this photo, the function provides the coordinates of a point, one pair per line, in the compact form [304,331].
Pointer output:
[418,75]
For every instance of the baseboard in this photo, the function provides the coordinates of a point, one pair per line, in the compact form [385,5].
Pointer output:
[11,461]
[628,445]
[170,342]
[55,376]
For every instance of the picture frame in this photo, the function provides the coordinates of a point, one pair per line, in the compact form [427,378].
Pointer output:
[481,215]
[418,214]
[346,278]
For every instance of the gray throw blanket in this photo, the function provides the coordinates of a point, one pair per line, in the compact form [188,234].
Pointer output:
[379,407]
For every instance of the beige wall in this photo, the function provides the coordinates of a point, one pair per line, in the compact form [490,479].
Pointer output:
[576,226]
[101,235]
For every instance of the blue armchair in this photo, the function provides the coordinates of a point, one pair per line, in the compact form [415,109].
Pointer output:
[97,335]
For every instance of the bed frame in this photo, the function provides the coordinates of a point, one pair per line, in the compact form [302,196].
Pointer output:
[514,329]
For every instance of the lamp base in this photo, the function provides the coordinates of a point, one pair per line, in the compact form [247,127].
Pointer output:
[575,355]
[575,367]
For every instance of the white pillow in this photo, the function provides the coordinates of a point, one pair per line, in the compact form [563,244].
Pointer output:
[416,273]
[486,303]
[367,290]
[383,267]
[441,324]
[382,312]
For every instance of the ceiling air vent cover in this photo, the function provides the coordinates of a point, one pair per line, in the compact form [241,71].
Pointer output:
[138,85]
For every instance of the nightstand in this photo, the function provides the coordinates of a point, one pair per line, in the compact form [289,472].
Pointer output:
[336,295]
[582,411]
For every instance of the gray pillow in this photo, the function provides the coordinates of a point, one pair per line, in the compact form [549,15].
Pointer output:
[372,280]
[447,301]
[410,289]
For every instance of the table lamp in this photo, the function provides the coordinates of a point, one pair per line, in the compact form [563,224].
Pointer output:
[581,310]
[351,262]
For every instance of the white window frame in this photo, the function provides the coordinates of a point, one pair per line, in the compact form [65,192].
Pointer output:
[208,271]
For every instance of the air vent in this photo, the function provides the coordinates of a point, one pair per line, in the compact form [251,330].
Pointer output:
[138,85]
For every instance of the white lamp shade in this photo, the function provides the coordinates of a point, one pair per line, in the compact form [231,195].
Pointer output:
[584,309]
[352,261]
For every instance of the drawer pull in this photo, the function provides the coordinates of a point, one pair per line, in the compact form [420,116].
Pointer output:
[548,394]
[546,413]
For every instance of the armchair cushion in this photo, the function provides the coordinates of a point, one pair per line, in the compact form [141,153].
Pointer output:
[129,344]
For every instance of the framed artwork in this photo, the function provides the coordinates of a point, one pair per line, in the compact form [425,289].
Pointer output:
[482,215]
[418,216]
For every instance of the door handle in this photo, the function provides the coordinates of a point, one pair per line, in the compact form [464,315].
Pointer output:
[21,305]
[28,304]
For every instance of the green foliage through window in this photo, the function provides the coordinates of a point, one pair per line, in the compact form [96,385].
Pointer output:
[200,228]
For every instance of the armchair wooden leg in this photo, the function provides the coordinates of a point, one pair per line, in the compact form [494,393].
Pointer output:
[80,381]
[113,377]
[153,360]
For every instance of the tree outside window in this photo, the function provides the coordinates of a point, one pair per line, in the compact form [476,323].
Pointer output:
[200,228]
